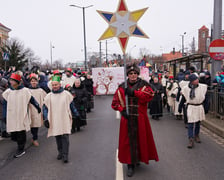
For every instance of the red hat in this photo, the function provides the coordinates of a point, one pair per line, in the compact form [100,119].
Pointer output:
[33,76]
[15,77]
[222,73]
[171,77]
[69,70]
[67,86]
[56,72]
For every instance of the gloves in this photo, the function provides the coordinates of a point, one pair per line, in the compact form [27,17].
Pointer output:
[46,123]
[129,92]
[39,110]
[124,114]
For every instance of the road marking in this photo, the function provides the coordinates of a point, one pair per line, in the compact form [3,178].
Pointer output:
[119,169]
[217,139]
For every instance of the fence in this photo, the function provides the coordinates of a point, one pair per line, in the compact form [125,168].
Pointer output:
[216,97]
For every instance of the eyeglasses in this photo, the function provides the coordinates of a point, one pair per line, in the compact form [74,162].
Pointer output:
[132,73]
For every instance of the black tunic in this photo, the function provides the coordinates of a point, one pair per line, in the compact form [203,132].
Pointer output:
[156,103]
[88,83]
[80,99]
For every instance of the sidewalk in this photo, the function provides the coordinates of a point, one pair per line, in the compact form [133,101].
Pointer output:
[214,124]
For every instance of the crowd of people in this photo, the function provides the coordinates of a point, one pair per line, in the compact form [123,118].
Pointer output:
[59,101]
[184,96]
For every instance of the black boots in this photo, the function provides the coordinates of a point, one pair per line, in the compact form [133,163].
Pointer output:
[62,157]
[59,157]
[131,170]
[65,158]
[178,117]
[5,134]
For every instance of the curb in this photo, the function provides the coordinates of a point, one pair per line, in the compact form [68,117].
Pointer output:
[214,128]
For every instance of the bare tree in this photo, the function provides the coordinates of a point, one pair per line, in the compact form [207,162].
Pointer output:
[58,64]
[144,52]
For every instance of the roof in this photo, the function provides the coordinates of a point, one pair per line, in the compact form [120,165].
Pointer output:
[203,28]
[4,27]
[192,57]
[171,55]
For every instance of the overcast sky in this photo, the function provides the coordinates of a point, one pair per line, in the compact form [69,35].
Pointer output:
[38,22]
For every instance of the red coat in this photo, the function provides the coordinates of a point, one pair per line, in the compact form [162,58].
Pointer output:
[146,145]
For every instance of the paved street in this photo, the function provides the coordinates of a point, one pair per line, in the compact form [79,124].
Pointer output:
[93,153]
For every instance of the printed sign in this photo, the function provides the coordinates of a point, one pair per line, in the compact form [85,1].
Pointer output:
[144,73]
[107,80]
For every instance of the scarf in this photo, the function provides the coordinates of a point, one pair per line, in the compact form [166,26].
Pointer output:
[192,92]
[170,86]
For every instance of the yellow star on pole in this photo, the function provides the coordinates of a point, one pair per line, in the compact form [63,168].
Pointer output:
[122,24]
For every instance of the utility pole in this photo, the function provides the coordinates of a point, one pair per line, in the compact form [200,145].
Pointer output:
[106,53]
[216,33]
[100,63]
[84,30]
[51,47]
[183,43]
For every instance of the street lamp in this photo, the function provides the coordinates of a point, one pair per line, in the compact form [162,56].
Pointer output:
[183,43]
[84,29]
[51,47]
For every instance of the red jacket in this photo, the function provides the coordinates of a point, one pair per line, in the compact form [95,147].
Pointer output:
[146,146]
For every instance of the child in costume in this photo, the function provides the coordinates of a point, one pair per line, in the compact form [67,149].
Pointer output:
[36,118]
[17,99]
[57,111]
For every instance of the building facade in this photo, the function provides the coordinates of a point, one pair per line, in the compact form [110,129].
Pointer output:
[203,38]
[4,34]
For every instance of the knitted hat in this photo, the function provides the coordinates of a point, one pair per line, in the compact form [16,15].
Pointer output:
[132,67]
[56,78]
[171,77]
[68,70]
[207,73]
[3,82]
[15,77]
[33,76]
[192,68]
[56,72]
[192,77]
[187,73]
[67,86]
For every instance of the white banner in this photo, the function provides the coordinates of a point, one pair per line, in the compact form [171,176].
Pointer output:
[144,73]
[107,80]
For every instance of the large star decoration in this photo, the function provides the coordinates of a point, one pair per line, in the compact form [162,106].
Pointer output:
[122,24]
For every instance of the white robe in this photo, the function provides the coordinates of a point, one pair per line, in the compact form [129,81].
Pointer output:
[171,100]
[36,118]
[195,112]
[17,118]
[69,80]
[59,113]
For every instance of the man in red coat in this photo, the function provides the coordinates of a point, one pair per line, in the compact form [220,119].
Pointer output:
[136,143]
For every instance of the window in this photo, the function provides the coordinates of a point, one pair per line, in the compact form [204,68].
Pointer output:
[203,34]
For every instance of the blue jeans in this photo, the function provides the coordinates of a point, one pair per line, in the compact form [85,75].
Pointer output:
[34,132]
[192,129]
